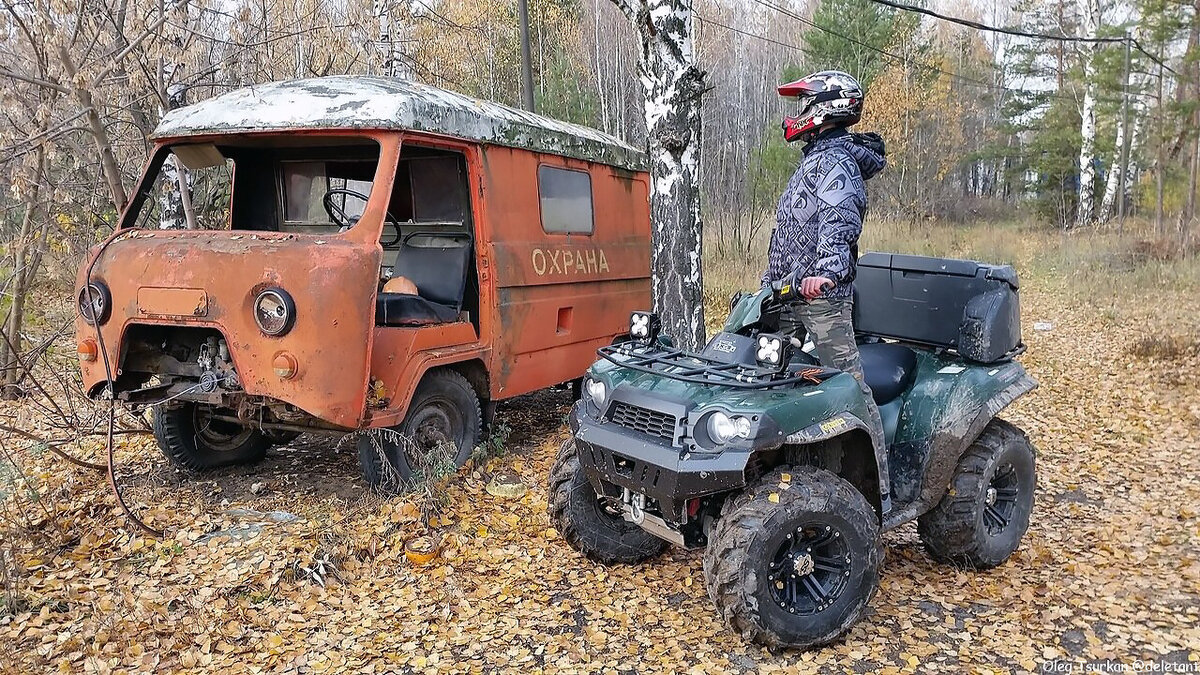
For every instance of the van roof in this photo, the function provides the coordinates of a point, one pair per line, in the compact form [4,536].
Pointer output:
[362,102]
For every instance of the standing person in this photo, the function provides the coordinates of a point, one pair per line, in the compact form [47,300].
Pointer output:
[814,247]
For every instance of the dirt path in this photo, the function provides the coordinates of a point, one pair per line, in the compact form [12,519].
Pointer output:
[1110,569]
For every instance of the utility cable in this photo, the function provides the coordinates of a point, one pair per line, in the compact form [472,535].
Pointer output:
[968,23]
[891,55]
[108,374]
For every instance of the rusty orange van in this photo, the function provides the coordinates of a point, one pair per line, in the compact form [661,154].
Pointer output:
[274,294]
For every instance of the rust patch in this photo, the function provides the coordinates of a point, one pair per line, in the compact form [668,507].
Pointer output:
[154,301]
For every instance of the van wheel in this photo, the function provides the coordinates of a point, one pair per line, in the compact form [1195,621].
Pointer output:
[586,524]
[437,435]
[191,439]
[982,517]
[794,559]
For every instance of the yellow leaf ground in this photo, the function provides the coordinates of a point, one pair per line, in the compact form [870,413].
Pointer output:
[1109,570]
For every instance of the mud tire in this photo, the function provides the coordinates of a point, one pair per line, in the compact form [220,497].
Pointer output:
[444,409]
[583,522]
[960,530]
[190,444]
[753,530]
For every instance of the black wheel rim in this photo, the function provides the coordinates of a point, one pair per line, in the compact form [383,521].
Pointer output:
[810,569]
[219,435]
[1000,499]
[436,426]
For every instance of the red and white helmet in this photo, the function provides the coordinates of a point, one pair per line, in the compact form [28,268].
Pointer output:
[829,96]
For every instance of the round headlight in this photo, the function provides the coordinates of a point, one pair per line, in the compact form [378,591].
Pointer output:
[722,428]
[597,392]
[742,425]
[274,311]
[95,306]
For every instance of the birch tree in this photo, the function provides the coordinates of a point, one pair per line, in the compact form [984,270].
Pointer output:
[1120,164]
[1089,23]
[672,86]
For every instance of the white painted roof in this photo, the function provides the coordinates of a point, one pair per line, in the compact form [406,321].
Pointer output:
[361,102]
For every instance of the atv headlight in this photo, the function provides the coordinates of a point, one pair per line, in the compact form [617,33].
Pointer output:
[274,311]
[770,351]
[644,326]
[597,391]
[722,428]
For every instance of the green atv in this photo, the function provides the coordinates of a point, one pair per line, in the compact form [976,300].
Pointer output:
[753,451]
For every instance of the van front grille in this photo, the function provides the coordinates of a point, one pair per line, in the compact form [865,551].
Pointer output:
[651,422]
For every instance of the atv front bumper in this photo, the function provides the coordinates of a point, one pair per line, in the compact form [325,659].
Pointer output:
[665,473]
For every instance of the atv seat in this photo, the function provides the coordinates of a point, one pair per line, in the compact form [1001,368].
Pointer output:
[436,262]
[888,369]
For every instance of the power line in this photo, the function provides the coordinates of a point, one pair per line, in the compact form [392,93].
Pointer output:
[1026,34]
[995,29]
[884,52]
[902,59]
[897,57]
[753,35]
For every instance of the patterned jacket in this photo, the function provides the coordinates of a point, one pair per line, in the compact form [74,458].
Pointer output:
[821,212]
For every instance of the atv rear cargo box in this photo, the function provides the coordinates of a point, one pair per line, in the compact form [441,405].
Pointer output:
[963,305]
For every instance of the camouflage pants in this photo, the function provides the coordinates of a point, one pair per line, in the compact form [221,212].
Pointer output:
[827,321]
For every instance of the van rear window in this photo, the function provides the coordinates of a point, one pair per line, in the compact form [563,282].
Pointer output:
[566,197]
[305,185]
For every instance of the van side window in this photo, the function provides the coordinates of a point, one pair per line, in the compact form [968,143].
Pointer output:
[566,197]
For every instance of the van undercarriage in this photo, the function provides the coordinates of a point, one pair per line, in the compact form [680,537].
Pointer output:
[165,365]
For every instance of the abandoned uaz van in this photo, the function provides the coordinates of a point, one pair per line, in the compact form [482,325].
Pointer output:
[359,253]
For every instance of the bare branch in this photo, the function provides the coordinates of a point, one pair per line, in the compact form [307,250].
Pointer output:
[5,72]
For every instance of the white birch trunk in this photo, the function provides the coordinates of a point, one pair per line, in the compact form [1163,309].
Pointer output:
[387,43]
[1113,184]
[672,85]
[1089,14]
[175,181]
[1135,169]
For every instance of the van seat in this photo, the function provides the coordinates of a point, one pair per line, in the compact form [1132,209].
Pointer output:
[402,309]
[437,263]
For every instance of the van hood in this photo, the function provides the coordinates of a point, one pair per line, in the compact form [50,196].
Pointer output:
[210,279]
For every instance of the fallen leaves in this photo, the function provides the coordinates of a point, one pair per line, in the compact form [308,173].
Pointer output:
[1110,568]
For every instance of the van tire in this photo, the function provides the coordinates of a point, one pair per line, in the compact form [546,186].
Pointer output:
[984,514]
[195,444]
[586,526]
[444,411]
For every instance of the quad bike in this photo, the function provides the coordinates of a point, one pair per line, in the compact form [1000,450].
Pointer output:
[753,451]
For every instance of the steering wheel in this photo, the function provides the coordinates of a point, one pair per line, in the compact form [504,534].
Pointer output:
[338,214]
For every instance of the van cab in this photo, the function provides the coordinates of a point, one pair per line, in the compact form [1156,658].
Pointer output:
[358,253]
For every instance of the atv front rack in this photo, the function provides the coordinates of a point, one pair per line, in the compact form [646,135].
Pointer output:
[684,366]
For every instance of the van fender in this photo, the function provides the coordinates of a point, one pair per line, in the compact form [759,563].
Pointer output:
[473,367]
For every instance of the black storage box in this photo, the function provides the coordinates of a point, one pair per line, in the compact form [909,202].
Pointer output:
[963,305]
